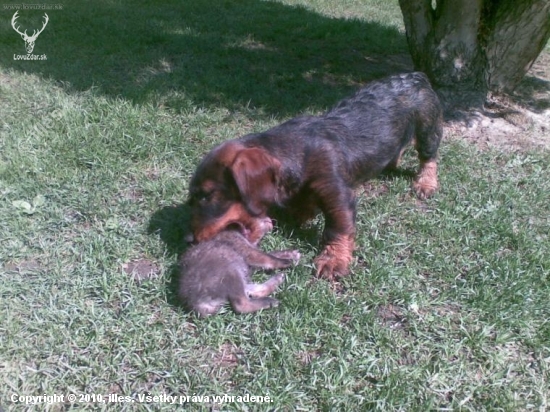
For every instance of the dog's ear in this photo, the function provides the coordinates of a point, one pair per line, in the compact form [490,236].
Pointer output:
[256,174]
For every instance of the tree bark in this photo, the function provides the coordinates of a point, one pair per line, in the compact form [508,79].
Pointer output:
[518,33]
[476,45]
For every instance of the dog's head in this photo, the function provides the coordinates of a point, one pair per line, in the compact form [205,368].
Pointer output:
[233,185]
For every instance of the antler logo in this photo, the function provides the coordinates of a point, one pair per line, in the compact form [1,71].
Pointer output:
[29,40]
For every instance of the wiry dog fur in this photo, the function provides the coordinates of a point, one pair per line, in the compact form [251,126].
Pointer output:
[314,163]
[217,271]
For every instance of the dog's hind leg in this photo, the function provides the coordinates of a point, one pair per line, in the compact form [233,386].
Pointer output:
[428,136]
[425,183]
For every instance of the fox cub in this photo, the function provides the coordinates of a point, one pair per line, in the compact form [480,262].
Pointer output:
[218,271]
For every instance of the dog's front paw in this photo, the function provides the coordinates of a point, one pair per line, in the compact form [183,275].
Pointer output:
[330,267]
[425,184]
[331,264]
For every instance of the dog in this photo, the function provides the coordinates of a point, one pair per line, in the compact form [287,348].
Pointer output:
[314,163]
[218,270]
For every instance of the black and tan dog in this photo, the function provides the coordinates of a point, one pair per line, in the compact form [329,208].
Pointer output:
[218,270]
[314,163]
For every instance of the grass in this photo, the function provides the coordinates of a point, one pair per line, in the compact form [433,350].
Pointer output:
[447,305]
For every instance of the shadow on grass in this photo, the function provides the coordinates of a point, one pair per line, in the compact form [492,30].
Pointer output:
[391,174]
[172,286]
[183,54]
[534,93]
[171,223]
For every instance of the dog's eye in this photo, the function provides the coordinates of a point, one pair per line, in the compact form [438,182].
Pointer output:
[205,197]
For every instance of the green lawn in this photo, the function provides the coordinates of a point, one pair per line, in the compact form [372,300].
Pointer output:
[447,306]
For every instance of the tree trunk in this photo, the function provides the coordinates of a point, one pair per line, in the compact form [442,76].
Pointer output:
[520,32]
[476,45]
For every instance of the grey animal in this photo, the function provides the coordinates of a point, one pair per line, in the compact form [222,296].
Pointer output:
[218,271]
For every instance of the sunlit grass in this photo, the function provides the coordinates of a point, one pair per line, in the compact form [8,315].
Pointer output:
[447,304]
